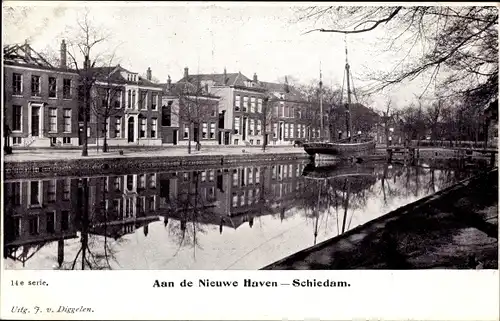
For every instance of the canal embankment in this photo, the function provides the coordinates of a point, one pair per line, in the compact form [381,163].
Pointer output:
[456,227]
[40,164]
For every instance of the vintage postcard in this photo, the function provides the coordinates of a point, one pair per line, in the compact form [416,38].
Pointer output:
[249,160]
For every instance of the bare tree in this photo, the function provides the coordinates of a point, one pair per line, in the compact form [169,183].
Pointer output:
[85,43]
[105,101]
[462,42]
[196,104]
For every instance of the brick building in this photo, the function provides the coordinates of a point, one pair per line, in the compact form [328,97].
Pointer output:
[291,116]
[40,99]
[240,106]
[125,107]
[190,112]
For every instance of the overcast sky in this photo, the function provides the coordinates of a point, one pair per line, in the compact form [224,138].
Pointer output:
[249,37]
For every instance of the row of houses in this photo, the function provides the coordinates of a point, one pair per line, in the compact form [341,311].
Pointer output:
[43,107]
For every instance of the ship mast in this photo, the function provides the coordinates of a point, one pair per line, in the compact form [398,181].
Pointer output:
[321,101]
[348,105]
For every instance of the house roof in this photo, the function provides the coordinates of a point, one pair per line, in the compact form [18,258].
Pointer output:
[230,79]
[277,88]
[114,74]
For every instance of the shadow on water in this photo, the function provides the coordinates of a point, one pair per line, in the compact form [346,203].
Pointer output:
[260,211]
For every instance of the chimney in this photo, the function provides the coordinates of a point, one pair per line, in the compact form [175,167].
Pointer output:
[286,87]
[255,77]
[169,83]
[27,50]
[225,76]
[186,73]
[148,74]
[63,54]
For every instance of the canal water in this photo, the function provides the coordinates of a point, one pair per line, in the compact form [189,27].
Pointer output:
[243,217]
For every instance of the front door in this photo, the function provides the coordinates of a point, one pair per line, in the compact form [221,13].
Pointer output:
[174,134]
[226,138]
[35,121]
[131,130]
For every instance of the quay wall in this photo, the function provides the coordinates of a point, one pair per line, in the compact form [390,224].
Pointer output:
[118,165]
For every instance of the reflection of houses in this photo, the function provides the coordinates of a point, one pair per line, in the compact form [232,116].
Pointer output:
[121,204]
[38,212]
[131,104]
[40,100]
[189,109]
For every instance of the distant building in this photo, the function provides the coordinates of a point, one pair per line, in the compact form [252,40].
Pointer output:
[40,99]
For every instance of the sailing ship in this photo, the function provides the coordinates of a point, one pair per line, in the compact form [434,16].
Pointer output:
[352,147]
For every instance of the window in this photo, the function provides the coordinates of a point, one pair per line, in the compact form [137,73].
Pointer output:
[51,191]
[34,227]
[64,220]
[154,101]
[17,140]
[252,104]
[211,175]
[259,128]
[275,130]
[286,130]
[252,125]
[152,180]
[237,125]
[117,101]
[166,111]
[291,130]
[257,176]
[53,120]
[250,175]
[299,114]
[67,120]
[34,193]
[292,112]
[186,131]
[212,130]
[117,184]
[298,130]
[52,87]
[235,177]
[237,103]
[17,118]
[287,112]
[130,182]
[142,130]
[35,86]
[67,189]
[259,105]
[142,181]
[17,84]
[281,110]
[118,127]
[51,222]
[17,227]
[67,88]
[144,100]
[204,130]
[133,99]
[152,203]
[235,200]
[258,141]
[129,99]
[245,103]
[15,193]
[251,141]
[154,127]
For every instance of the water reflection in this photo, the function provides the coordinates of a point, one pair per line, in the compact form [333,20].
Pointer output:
[227,218]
